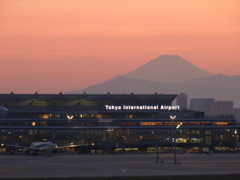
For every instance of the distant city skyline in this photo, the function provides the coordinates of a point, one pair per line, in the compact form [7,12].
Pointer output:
[62,45]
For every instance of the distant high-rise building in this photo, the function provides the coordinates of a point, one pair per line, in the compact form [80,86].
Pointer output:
[182,101]
[236,112]
[223,108]
[212,107]
[202,104]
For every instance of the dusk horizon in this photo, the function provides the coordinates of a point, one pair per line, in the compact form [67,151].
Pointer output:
[103,80]
[59,45]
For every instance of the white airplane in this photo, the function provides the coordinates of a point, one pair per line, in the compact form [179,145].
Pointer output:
[37,147]
[47,147]
[41,147]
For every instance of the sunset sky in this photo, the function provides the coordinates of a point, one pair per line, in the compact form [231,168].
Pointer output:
[62,45]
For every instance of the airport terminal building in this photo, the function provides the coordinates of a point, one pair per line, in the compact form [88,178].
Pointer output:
[114,122]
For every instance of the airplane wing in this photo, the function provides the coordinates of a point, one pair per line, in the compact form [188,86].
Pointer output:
[71,145]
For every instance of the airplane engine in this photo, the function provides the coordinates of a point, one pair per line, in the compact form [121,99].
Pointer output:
[27,151]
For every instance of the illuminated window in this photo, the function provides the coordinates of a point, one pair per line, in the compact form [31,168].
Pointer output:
[43,123]
[99,116]
[194,140]
[181,140]
[44,116]
[33,123]
[129,116]
[220,123]
[171,123]
[86,115]
[150,123]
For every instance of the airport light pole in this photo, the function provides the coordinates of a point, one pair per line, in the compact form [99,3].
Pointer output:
[175,143]
[157,137]
[69,119]
[174,138]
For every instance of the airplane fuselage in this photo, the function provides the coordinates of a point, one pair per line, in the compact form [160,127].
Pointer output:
[36,147]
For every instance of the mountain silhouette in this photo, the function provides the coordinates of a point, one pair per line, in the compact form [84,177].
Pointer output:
[168,69]
[121,84]
[202,85]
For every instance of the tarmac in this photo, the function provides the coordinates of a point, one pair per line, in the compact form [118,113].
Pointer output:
[93,165]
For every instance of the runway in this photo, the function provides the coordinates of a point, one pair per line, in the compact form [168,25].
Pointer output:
[42,166]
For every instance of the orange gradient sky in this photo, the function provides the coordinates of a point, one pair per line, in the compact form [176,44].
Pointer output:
[62,45]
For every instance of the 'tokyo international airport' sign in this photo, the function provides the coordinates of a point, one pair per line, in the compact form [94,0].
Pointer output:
[141,107]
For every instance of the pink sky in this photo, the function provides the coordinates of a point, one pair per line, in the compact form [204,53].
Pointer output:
[62,45]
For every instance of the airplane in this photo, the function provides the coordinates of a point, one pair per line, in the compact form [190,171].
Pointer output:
[48,147]
[36,147]
[42,147]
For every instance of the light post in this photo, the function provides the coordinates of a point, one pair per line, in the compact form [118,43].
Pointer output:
[175,143]
[69,119]
[175,147]
[174,138]
[157,143]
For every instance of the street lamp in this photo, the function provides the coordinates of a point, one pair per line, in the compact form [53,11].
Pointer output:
[175,143]
[174,138]
[69,119]
[157,137]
